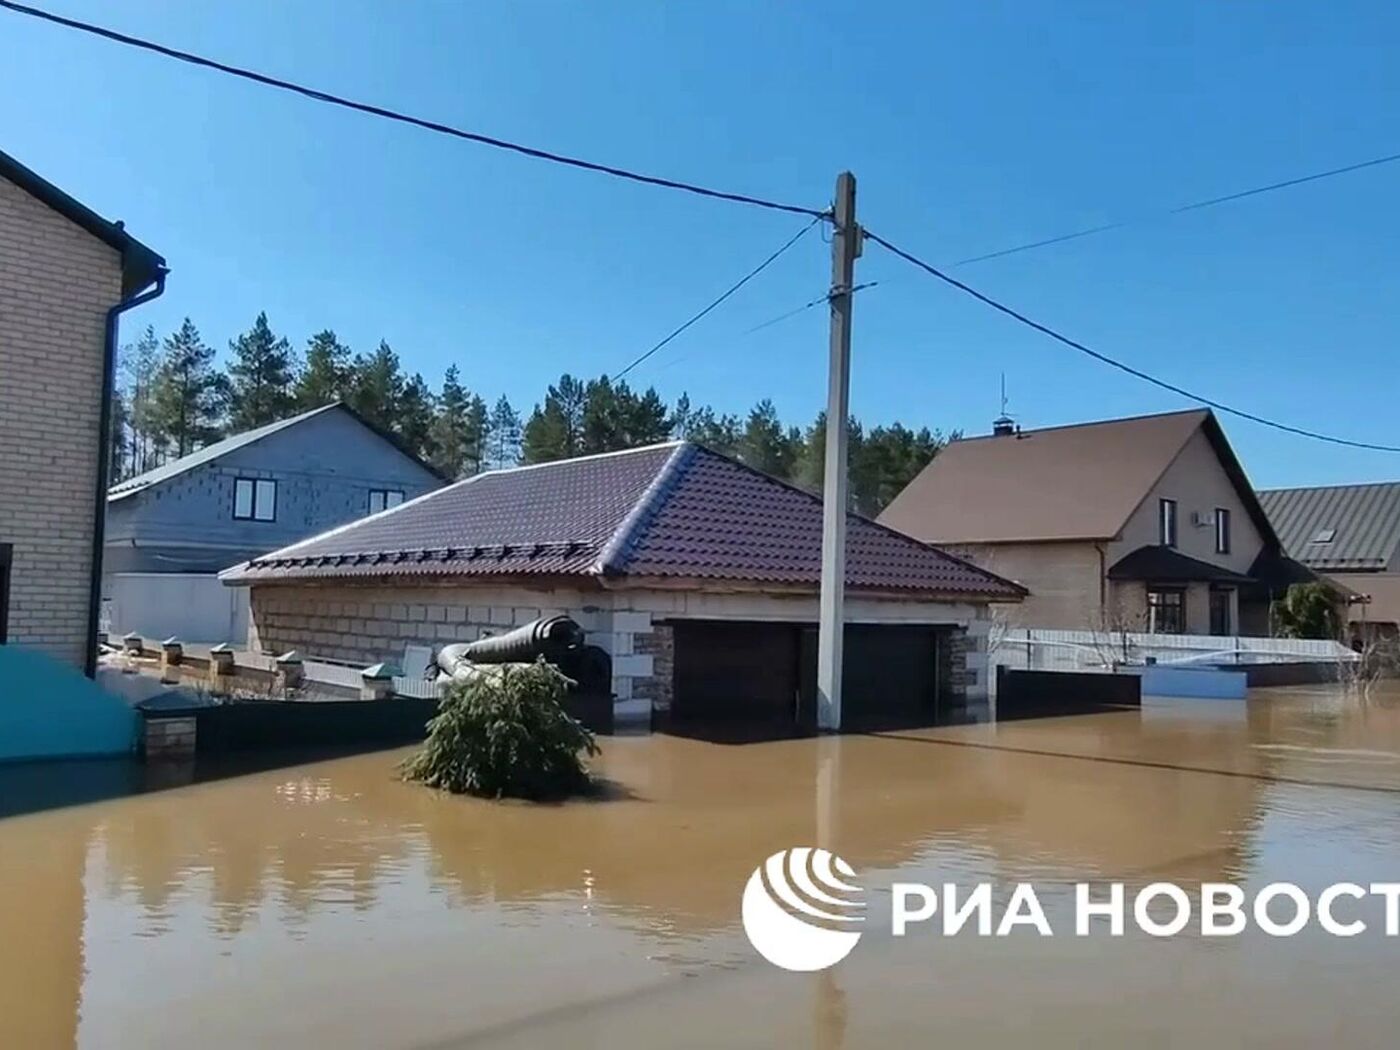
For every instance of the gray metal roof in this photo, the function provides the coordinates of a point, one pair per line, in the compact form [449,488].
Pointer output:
[1338,527]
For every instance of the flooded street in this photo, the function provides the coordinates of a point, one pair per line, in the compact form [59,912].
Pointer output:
[331,905]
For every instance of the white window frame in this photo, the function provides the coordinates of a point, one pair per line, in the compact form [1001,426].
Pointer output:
[1222,530]
[258,495]
[384,499]
[1166,522]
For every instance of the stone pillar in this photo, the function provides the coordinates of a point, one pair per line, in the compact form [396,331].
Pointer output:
[171,654]
[660,645]
[291,672]
[377,682]
[133,644]
[169,738]
[952,669]
[221,670]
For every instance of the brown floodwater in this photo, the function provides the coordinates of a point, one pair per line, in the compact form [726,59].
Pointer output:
[330,905]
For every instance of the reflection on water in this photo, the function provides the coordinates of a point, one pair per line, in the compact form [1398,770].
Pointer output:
[331,905]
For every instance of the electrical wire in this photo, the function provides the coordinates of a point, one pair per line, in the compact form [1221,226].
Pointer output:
[1182,209]
[805,306]
[730,291]
[395,115]
[1114,363]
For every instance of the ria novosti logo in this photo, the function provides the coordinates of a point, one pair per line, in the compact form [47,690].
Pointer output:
[798,908]
[802,912]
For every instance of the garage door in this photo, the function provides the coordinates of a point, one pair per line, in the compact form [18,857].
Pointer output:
[764,675]
[735,673]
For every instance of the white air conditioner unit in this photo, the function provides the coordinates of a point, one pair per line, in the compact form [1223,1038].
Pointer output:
[1202,520]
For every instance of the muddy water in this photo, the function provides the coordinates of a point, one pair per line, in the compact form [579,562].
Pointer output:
[330,905]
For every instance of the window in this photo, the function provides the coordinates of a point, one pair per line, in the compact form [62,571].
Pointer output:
[254,499]
[383,499]
[1166,517]
[6,557]
[1166,610]
[1324,536]
[1222,531]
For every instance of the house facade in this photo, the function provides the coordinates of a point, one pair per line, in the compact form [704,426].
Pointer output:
[66,274]
[171,529]
[1351,535]
[698,574]
[1145,524]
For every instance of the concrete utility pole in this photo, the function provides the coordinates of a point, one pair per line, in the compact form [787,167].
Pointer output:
[845,247]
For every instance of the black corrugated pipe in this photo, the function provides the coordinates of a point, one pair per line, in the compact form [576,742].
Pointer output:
[104,460]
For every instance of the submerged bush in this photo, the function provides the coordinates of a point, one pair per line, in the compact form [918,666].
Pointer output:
[504,733]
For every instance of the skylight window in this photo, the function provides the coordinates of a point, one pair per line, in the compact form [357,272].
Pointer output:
[1324,536]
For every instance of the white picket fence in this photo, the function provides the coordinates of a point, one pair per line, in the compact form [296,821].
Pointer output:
[1042,649]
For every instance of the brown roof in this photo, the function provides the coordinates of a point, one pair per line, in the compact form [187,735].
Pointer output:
[1061,483]
[677,510]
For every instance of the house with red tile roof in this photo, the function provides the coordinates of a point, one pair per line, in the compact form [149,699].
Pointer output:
[697,573]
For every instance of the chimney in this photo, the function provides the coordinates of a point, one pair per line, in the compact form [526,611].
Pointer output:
[1003,426]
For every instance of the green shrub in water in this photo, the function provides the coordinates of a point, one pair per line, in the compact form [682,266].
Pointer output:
[505,734]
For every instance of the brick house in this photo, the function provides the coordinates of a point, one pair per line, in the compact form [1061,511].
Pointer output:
[1147,523]
[697,573]
[66,274]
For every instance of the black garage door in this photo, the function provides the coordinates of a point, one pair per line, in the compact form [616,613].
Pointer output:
[762,676]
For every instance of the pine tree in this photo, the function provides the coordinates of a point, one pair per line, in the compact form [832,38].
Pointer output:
[119,447]
[451,434]
[555,429]
[376,386]
[765,445]
[504,430]
[188,395]
[414,421]
[260,370]
[326,377]
[139,363]
[478,432]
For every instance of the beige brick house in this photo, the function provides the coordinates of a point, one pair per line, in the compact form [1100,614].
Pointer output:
[1147,524]
[65,276]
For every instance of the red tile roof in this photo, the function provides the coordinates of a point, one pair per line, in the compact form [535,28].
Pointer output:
[678,511]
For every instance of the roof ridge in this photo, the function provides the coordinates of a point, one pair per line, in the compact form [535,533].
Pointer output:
[586,457]
[614,553]
[1338,485]
[1087,423]
[859,517]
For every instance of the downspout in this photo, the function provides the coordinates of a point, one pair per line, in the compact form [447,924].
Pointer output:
[104,461]
[1103,585]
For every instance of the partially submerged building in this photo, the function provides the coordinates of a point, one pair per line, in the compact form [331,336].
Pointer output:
[1351,535]
[697,573]
[171,529]
[1145,524]
[66,276]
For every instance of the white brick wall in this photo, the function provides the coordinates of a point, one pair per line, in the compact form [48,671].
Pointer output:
[364,624]
[56,284]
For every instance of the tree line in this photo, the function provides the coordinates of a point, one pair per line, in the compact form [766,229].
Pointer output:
[174,397]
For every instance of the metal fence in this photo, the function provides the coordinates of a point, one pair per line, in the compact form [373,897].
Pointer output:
[1042,649]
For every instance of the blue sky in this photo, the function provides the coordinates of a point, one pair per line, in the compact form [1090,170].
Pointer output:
[971,127]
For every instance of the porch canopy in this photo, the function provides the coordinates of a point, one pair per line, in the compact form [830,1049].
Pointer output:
[1154,564]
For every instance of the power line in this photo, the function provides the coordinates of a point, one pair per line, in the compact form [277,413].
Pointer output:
[730,291]
[1182,209]
[1105,359]
[403,118]
[805,306]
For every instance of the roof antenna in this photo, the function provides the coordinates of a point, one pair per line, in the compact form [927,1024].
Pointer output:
[1003,425]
